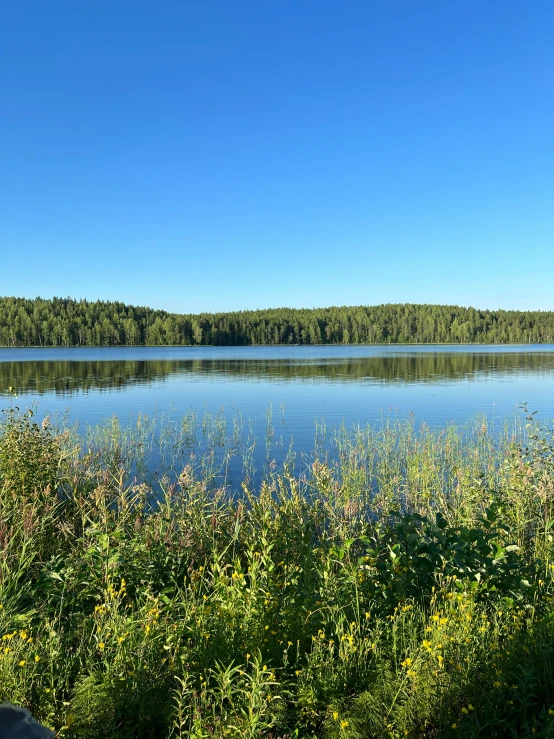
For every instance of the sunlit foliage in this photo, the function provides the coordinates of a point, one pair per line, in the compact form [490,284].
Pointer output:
[66,322]
[401,586]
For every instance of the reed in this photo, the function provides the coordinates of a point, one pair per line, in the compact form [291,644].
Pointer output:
[396,582]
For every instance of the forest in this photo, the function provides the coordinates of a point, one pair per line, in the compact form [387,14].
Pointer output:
[69,322]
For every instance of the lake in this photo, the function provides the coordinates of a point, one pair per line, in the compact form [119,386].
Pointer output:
[289,387]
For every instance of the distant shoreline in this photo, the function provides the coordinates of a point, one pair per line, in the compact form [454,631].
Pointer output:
[64,322]
[274,346]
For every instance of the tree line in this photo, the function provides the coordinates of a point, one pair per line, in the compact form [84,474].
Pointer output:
[68,322]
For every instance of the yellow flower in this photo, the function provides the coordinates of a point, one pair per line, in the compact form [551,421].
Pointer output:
[454,725]
[464,710]
[426,643]
[343,724]
[22,663]
[37,658]
[470,707]
[101,645]
[335,715]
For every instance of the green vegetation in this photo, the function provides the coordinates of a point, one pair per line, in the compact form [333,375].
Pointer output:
[401,586]
[65,322]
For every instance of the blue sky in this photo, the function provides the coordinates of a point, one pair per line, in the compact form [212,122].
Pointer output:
[217,155]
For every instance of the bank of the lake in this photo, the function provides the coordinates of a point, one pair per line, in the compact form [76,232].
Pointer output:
[401,586]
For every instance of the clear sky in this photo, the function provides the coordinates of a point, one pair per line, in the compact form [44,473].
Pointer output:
[217,155]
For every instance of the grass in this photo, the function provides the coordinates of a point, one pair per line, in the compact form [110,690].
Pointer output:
[396,583]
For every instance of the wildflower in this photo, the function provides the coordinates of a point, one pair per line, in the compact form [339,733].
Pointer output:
[343,724]
[22,663]
[335,715]
[454,725]
[470,707]
[37,658]
[496,684]
[101,645]
[426,643]
[464,710]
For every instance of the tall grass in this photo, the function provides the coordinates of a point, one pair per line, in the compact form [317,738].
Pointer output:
[397,582]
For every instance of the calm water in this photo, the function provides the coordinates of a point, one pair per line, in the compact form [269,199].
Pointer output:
[351,384]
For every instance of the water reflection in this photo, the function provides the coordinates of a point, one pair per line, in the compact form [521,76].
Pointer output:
[65,377]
